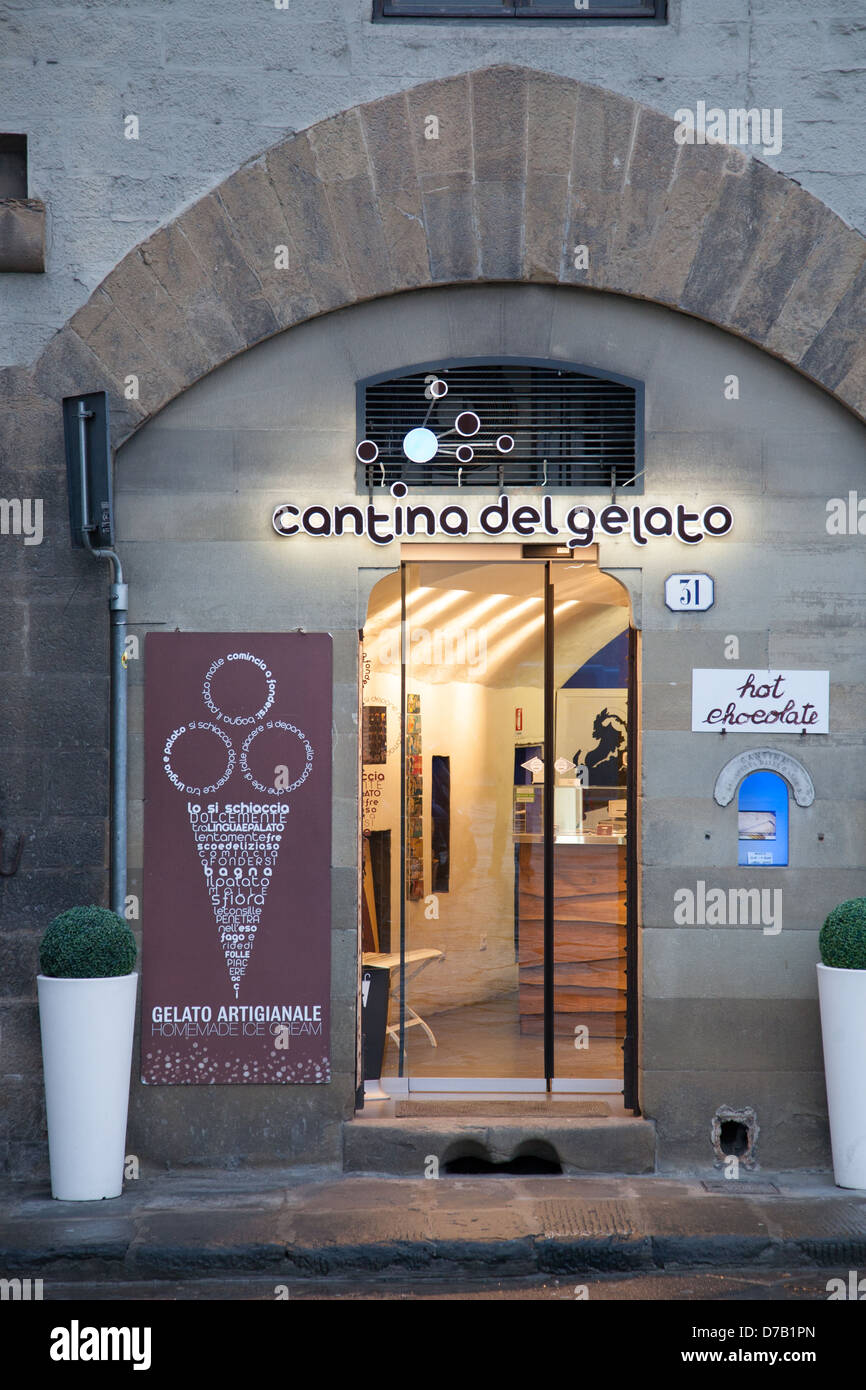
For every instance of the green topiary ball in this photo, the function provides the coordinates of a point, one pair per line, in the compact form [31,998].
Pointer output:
[87,943]
[842,941]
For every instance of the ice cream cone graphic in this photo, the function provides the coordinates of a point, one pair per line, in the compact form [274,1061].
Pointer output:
[238,841]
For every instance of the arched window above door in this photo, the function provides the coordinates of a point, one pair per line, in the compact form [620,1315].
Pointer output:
[500,423]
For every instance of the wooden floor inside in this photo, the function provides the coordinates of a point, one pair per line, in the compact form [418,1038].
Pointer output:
[484,1040]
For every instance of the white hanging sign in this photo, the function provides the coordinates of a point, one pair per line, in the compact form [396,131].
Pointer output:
[746,702]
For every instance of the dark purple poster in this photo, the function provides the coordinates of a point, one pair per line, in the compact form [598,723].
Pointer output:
[236,961]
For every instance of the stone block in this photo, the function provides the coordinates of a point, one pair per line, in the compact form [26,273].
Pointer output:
[499,105]
[723,964]
[59,841]
[499,218]
[732,234]
[22,235]
[310,220]
[644,194]
[829,270]
[238,288]
[701,175]
[20,966]
[808,895]
[391,153]
[791,1112]
[836,348]
[20,1036]
[121,352]
[22,1110]
[172,260]
[604,127]
[778,261]
[34,899]
[360,235]
[450,101]
[449,215]
[731,1035]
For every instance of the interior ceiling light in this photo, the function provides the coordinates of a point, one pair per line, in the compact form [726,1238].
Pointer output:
[421,444]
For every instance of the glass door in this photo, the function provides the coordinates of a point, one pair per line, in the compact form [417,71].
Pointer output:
[494,874]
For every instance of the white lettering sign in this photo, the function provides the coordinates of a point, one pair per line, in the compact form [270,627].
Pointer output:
[788,702]
[577,526]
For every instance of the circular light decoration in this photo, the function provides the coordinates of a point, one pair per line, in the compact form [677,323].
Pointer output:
[420,445]
[367,451]
[467,423]
[423,445]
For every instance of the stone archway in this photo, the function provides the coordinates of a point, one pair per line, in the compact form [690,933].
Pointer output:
[526,167]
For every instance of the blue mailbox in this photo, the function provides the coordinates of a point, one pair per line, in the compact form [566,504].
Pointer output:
[762,819]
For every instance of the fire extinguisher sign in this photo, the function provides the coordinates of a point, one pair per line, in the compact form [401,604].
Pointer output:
[518,721]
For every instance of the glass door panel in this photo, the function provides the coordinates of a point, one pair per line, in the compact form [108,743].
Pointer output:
[474,714]
[590,675]
[456,902]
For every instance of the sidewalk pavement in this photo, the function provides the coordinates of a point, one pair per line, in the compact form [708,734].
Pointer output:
[314,1224]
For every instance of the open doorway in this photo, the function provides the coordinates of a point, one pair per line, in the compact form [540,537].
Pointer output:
[498,731]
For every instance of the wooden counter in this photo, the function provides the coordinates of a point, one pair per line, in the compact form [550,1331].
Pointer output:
[589,935]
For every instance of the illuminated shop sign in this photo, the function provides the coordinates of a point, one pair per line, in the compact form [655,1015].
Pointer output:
[579,526]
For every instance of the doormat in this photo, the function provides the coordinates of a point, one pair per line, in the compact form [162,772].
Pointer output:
[507,1109]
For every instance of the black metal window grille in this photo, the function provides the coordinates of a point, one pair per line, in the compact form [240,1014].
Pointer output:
[571,428]
[608,11]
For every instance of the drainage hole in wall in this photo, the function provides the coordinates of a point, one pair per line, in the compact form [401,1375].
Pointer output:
[733,1138]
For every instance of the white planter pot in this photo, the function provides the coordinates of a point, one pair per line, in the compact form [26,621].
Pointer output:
[87,1028]
[842,997]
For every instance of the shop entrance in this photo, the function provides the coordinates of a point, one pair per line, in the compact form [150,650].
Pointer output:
[498,825]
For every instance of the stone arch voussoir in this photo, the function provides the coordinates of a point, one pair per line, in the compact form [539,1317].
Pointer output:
[527,166]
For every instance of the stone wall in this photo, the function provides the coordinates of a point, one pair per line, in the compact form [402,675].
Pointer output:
[530,165]
[214,83]
[728,1013]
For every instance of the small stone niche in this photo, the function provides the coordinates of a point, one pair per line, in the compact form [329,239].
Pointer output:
[734,1132]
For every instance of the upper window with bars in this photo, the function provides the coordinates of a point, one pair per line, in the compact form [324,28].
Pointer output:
[610,10]
[500,423]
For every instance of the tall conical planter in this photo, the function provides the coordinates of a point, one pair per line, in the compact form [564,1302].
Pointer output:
[87,1029]
[842,998]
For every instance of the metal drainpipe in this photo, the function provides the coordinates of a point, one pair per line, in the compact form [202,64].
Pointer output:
[118,605]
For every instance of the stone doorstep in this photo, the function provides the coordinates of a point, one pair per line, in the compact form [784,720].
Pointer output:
[582,1146]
